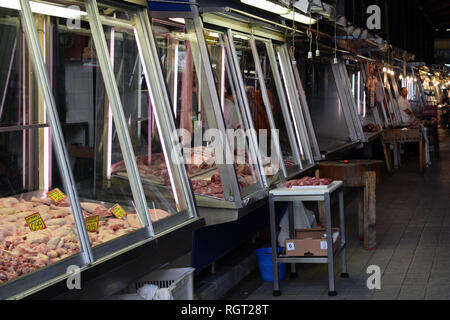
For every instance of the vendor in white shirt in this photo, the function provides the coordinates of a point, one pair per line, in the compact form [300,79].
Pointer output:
[405,107]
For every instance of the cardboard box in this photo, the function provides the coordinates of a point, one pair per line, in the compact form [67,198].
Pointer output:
[311,242]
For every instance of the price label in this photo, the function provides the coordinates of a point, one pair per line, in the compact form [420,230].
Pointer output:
[323,245]
[56,195]
[290,246]
[92,223]
[35,222]
[118,211]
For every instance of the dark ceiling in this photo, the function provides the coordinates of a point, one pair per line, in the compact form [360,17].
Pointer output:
[438,13]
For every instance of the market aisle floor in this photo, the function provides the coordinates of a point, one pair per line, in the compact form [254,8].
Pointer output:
[413,243]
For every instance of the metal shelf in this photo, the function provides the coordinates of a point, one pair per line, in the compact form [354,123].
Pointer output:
[285,259]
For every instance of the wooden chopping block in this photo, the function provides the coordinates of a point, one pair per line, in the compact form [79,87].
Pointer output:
[352,173]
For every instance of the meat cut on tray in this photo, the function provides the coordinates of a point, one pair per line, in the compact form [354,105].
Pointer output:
[308,181]
[23,251]
[199,159]
[371,127]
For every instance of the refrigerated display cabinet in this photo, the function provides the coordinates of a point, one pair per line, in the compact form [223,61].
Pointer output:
[331,105]
[363,79]
[81,98]
[218,78]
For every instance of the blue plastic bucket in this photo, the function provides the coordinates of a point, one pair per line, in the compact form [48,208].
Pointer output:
[264,256]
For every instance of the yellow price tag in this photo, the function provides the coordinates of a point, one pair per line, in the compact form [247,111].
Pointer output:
[56,195]
[35,222]
[92,223]
[118,211]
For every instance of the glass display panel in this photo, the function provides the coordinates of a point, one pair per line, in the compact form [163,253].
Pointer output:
[233,110]
[36,231]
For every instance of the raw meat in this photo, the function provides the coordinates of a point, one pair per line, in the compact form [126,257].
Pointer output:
[371,127]
[308,181]
[157,214]
[23,251]
[46,200]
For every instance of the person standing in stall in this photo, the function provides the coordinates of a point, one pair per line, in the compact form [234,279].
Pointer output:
[405,107]
[230,113]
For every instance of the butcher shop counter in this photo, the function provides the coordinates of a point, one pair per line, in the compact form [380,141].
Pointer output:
[219,211]
[34,264]
[328,147]
[115,272]
[372,136]
[212,207]
[214,210]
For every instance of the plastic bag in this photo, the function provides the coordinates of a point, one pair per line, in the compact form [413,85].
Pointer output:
[303,219]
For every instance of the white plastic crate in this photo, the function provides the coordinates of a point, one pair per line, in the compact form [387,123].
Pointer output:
[179,281]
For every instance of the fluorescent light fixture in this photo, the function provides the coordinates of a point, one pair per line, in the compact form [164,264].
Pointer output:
[298,17]
[43,8]
[213,35]
[267,6]
[238,36]
[178,20]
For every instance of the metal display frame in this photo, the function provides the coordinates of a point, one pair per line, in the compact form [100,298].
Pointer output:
[393,101]
[290,104]
[91,256]
[391,116]
[375,110]
[292,69]
[349,106]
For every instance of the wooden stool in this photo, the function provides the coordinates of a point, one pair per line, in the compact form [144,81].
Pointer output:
[362,174]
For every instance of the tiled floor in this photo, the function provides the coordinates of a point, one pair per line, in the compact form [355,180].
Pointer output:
[413,244]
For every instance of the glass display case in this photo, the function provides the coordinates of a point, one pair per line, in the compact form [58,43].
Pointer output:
[222,165]
[330,106]
[363,80]
[233,83]
[384,101]
[82,115]
[344,87]
[393,94]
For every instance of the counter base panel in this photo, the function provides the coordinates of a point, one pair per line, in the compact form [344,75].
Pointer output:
[106,278]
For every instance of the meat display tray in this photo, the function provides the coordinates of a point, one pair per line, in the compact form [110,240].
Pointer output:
[307,189]
[40,194]
[124,175]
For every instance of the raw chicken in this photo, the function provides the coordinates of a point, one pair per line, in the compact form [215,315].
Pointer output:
[23,251]
[158,214]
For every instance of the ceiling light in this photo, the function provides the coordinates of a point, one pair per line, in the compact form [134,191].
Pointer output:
[341,21]
[213,35]
[307,6]
[301,18]
[43,8]
[267,6]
